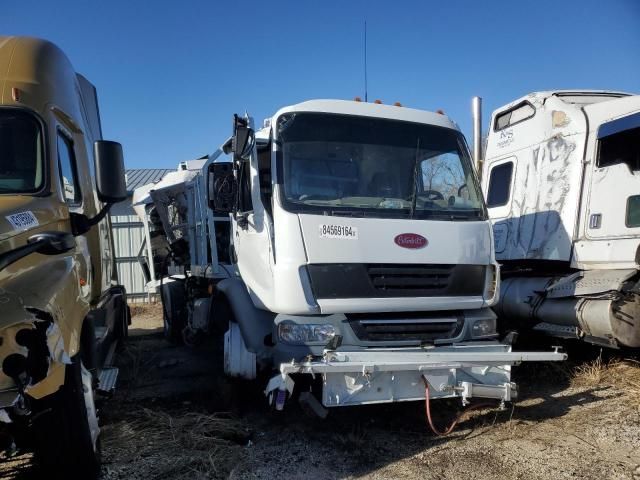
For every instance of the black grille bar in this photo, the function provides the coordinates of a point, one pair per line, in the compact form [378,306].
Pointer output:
[412,326]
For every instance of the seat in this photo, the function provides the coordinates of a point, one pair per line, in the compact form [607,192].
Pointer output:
[383,184]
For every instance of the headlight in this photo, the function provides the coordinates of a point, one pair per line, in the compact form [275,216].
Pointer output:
[484,328]
[309,333]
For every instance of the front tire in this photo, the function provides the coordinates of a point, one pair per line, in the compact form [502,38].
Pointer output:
[174,311]
[65,430]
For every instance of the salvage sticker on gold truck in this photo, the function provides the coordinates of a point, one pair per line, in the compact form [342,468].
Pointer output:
[343,232]
[23,220]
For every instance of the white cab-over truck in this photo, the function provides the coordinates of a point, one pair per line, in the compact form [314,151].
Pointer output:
[358,253]
[562,181]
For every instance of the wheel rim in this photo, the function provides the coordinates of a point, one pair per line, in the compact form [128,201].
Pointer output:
[90,406]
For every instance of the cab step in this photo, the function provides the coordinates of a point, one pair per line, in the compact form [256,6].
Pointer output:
[560,331]
[107,381]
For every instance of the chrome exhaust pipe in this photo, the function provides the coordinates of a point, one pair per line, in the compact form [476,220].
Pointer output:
[476,114]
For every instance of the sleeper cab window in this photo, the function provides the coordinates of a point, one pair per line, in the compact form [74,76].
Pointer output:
[499,185]
[68,170]
[517,114]
[622,146]
[633,211]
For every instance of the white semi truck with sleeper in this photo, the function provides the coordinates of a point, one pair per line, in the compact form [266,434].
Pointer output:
[346,242]
[561,177]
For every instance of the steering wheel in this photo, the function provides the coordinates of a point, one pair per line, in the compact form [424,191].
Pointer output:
[432,195]
[462,187]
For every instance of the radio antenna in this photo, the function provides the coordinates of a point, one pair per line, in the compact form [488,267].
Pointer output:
[366,97]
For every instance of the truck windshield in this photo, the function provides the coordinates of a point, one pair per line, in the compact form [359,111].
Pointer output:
[362,166]
[20,153]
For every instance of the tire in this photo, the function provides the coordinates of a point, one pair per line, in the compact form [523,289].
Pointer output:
[65,430]
[174,312]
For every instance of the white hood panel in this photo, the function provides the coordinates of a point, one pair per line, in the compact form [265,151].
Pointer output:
[330,239]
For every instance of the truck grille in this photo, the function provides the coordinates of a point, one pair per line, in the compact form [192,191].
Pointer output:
[407,326]
[415,278]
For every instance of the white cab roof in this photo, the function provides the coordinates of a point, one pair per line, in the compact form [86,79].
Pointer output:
[576,97]
[391,112]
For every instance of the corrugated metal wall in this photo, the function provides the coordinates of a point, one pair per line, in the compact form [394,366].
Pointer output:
[128,235]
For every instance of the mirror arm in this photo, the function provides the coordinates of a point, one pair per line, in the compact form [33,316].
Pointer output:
[81,224]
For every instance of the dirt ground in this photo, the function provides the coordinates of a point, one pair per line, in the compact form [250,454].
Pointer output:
[175,417]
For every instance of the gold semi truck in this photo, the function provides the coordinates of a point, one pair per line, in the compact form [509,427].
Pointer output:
[61,307]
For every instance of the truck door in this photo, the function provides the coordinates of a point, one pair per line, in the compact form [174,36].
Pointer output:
[614,197]
[71,188]
[252,227]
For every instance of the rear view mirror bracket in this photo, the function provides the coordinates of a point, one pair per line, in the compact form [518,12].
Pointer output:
[81,224]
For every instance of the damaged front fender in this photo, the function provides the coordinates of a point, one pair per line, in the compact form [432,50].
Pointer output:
[43,310]
[39,345]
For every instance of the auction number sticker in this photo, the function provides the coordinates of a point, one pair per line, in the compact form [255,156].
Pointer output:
[23,220]
[344,232]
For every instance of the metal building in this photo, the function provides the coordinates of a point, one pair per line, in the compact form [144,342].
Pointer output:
[129,234]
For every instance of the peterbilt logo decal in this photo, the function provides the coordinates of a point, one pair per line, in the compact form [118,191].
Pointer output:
[411,240]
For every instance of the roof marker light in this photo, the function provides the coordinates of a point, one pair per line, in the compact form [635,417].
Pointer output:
[397,104]
[378,102]
[440,111]
[357,99]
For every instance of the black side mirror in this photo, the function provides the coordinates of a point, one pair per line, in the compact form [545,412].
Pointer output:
[110,180]
[222,187]
[242,135]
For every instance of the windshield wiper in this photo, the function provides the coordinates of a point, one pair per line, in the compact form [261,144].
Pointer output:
[415,182]
[449,215]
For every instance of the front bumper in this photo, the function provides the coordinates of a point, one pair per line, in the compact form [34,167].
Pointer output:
[392,375]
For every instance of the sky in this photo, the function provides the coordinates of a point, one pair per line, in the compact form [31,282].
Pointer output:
[171,74]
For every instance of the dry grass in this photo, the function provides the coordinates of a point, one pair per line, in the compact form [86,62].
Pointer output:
[185,445]
[138,309]
[620,373]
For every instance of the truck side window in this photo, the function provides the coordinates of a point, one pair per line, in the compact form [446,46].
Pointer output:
[622,147]
[517,114]
[500,185]
[68,170]
[633,211]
